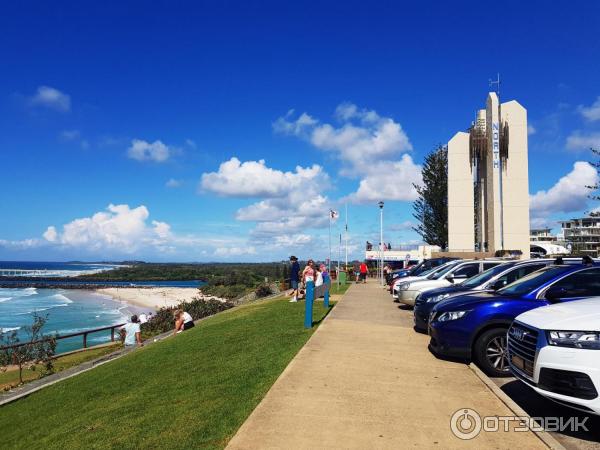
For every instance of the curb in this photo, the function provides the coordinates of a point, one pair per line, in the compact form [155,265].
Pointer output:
[544,436]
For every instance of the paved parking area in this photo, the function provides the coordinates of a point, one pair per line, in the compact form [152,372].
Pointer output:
[366,380]
[537,406]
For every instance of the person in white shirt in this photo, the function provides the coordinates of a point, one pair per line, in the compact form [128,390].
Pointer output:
[132,333]
[183,321]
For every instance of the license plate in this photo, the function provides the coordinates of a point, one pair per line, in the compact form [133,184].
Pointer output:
[518,362]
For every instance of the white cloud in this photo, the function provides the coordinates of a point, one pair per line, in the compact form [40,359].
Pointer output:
[74,136]
[50,234]
[363,136]
[403,226]
[141,150]
[255,179]
[190,143]
[368,145]
[531,129]
[119,228]
[592,112]
[23,244]
[289,201]
[567,195]
[228,252]
[70,135]
[49,97]
[389,181]
[173,183]
[579,141]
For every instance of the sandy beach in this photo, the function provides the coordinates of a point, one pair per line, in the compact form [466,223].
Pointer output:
[153,298]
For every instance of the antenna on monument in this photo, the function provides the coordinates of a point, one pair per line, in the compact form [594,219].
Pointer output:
[495,82]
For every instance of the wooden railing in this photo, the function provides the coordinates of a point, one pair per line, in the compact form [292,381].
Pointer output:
[71,335]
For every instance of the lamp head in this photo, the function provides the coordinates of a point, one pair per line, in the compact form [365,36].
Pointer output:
[381,205]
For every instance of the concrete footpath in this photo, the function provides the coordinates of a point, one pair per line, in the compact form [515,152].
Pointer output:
[366,380]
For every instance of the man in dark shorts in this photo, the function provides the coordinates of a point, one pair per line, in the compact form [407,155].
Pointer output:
[363,272]
[294,278]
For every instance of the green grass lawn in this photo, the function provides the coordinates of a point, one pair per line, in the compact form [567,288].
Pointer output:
[193,390]
[335,289]
[11,378]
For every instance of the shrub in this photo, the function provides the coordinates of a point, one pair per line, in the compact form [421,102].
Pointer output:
[263,290]
[163,320]
[38,348]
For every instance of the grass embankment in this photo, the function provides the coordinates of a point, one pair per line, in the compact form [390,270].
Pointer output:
[190,391]
[10,378]
[338,289]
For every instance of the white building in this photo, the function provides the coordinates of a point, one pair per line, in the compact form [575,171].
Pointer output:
[488,182]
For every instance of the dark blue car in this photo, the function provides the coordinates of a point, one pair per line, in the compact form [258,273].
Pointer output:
[473,326]
[492,279]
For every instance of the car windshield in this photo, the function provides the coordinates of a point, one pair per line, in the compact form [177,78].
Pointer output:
[443,270]
[532,281]
[486,276]
[419,269]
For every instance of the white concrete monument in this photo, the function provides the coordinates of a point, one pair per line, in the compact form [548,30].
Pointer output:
[488,184]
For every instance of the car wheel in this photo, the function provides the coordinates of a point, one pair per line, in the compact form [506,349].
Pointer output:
[491,354]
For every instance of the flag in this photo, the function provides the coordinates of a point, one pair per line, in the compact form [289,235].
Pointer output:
[333,215]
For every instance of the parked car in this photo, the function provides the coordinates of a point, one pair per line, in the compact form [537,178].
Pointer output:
[429,274]
[474,325]
[556,351]
[491,279]
[456,274]
[404,269]
[418,270]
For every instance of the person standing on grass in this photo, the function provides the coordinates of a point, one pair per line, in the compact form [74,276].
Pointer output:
[363,271]
[132,333]
[308,274]
[294,278]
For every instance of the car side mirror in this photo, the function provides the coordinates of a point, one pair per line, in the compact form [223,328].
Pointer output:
[450,278]
[555,293]
[499,284]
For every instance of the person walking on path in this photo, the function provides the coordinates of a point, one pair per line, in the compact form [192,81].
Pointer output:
[363,271]
[132,333]
[356,268]
[294,278]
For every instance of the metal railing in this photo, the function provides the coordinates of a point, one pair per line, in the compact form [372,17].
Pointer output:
[71,335]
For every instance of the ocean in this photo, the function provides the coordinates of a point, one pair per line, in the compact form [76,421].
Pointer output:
[68,310]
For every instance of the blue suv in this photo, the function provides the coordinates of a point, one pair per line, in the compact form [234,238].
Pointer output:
[473,326]
[490,280]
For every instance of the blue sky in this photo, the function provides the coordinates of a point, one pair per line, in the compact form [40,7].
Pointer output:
[143,105]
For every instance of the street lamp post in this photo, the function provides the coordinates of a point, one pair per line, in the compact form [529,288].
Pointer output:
[381,242]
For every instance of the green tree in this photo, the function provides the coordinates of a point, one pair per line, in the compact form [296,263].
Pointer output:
[38,348]
[431,207]
[594,188]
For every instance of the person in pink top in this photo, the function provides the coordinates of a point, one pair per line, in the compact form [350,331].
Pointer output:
[308,274]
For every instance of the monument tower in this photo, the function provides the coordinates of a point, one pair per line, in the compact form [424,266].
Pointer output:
[488,184]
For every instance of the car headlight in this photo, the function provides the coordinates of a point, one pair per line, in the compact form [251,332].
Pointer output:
[437,298]
[451,315]
[589,340]
[404,286]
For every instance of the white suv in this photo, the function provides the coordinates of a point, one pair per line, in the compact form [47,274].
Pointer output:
[556,350]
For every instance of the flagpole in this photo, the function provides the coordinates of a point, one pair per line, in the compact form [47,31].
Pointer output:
[339,258]
[346,238]
[329,263]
